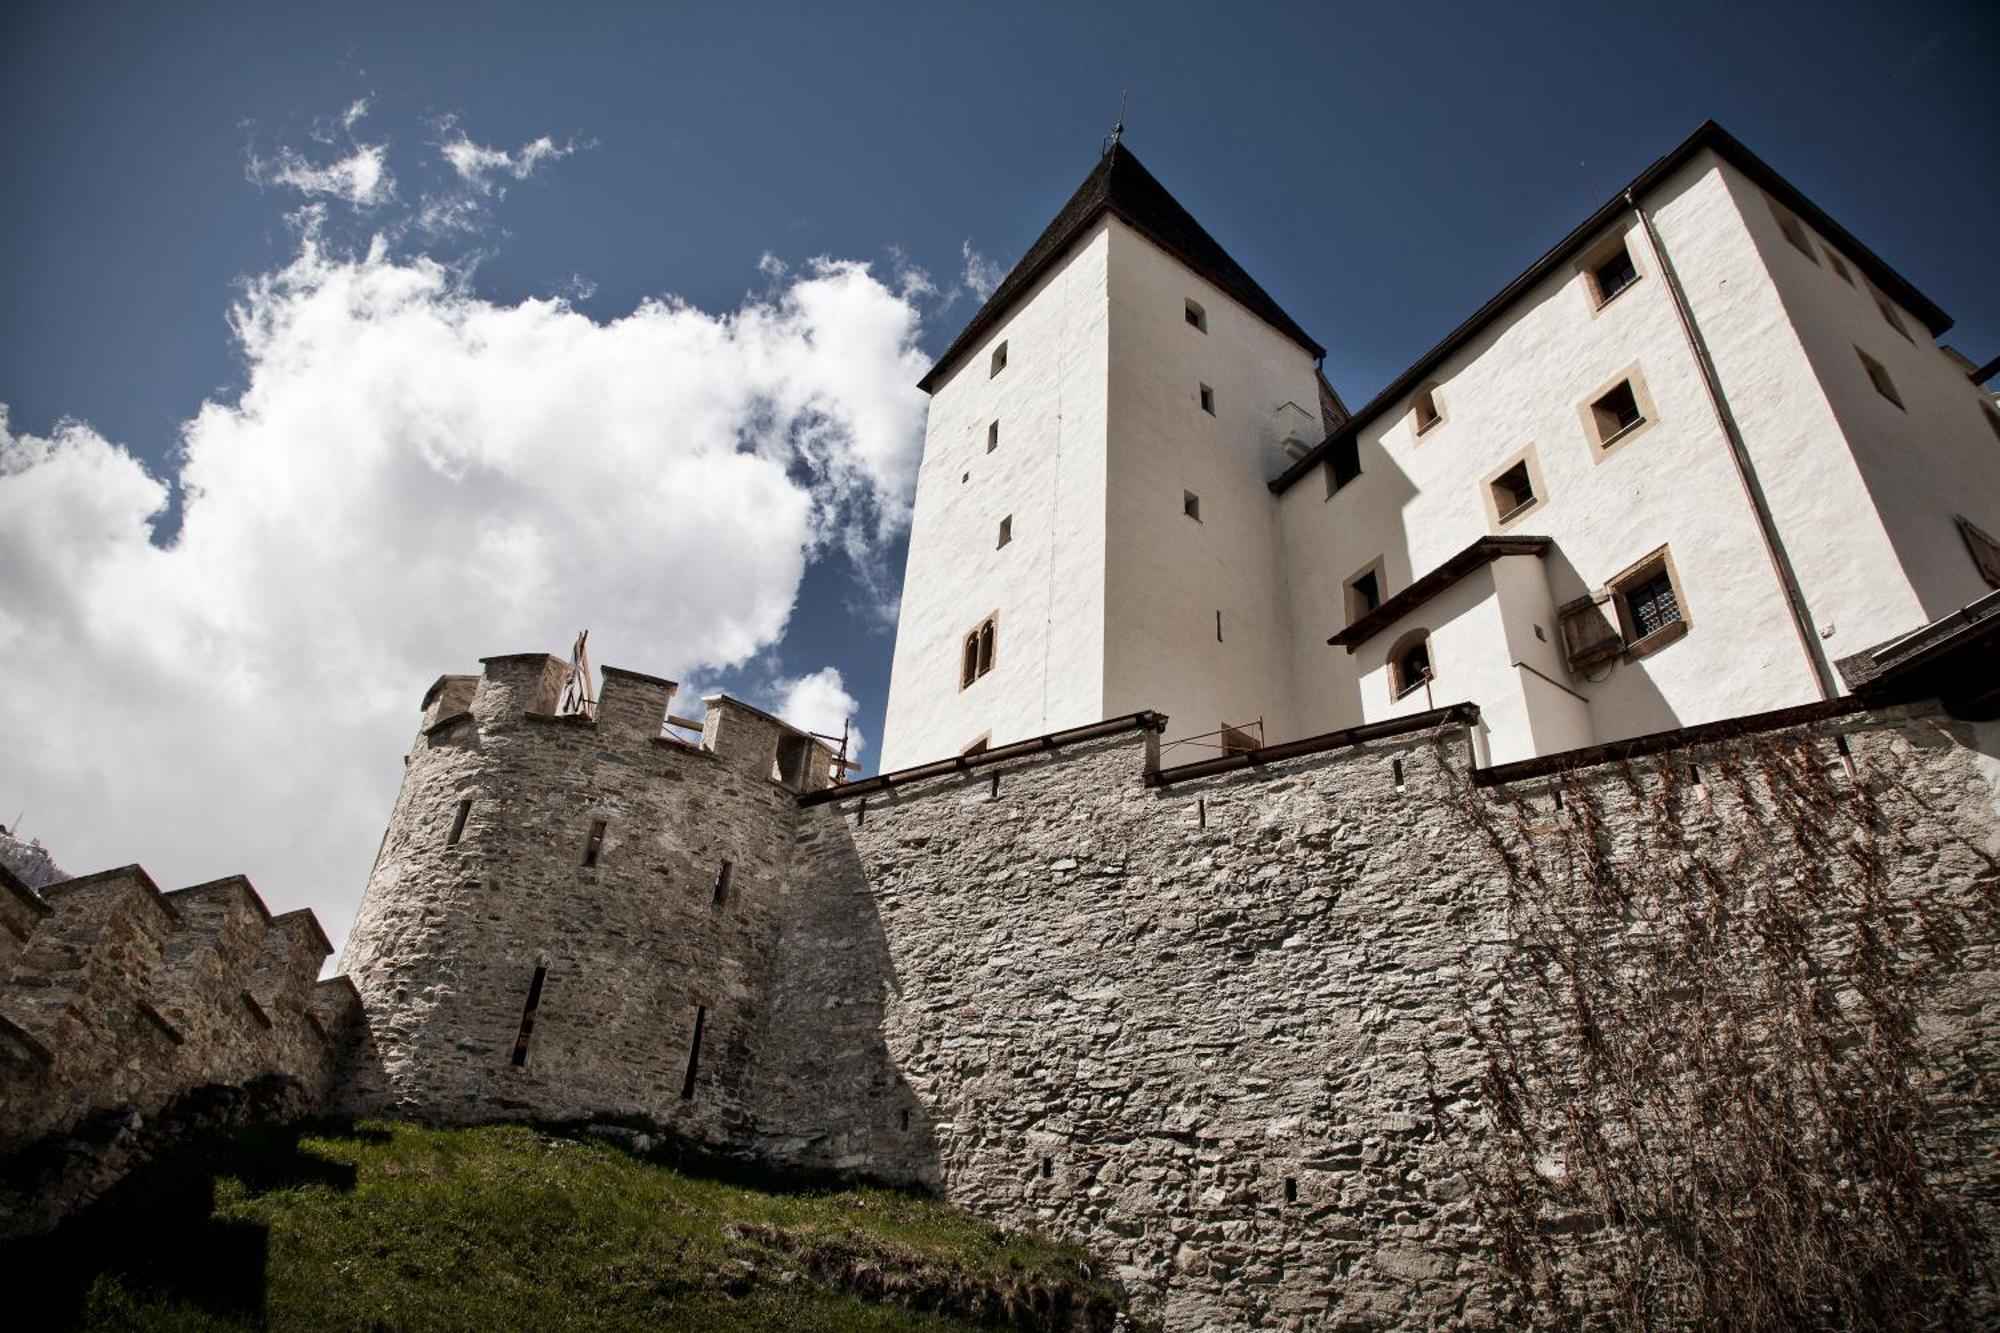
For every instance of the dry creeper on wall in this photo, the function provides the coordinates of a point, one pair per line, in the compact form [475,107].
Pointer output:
[1716,1083]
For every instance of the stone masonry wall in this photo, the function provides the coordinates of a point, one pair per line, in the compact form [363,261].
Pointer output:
[668,918]
[1201,1028]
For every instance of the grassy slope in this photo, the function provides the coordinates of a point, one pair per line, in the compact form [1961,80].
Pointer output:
[392,1225]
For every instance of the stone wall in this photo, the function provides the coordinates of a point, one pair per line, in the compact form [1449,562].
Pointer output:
[116,997]
[1219,1031]
[1236,1032]
[661,919]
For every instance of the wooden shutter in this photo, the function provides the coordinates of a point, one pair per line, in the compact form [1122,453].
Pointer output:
[1589,633]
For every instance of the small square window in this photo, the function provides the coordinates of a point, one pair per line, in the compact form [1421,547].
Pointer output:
[1839,269]
[1513,491]
[1613,273]
[1879,377]
[1196,316]
[1616,412]
[999,362]
[1343,463]
[1208,400]
[1191,505]
[1424,407]
[1006,531]
[1795,232]
[1895,320]
[992,436]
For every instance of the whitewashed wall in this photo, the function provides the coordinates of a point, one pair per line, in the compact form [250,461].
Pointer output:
[1048,583]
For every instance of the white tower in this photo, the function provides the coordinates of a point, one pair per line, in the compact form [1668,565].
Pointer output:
[1093,531]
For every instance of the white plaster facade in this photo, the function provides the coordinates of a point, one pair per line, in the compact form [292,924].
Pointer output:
[1109,595]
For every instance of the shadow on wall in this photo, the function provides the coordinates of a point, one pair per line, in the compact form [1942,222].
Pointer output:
[828,1088]
[1619,688]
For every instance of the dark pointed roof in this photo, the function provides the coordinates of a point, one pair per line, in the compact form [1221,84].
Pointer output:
[1119,185]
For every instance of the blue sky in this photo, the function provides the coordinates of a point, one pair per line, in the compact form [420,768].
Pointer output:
[1381,172]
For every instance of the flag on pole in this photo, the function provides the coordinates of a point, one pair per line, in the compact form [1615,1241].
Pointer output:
[577,695]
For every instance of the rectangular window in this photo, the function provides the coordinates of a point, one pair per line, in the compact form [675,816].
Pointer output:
[1191,505]
[1613,272]
[1424,409]
[694,1054]
[1343,463]
[1795,232]
[999,361]
[1364,592]
[1218,627]
[594,845]
[1208,400]
[458,819]
[1879,377]
[1616,412]
[528,1016]
[1651,609]
[1006,531]
[992,436]
[1895,320]
[722,877]
[1196,316]
[1513,491]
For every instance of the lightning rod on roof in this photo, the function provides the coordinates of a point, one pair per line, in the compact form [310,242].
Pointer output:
[1118,130]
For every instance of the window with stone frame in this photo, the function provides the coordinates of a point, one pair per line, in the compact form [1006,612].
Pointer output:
[1650,604]
[976,656]
[1410,663]
[1611,271]
[1364,592]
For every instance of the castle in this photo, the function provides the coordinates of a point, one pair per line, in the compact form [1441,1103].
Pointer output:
[1658,679]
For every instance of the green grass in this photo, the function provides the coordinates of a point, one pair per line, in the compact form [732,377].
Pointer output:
[387,1225]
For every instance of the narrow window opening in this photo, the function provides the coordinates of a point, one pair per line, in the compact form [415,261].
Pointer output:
[1364,593]
[1425,408]
[1048,1167]
[1879,377]
[1396,772]
[999,361]
[1291,1190]
[1694,775]
[722,877]
[458,823]
[861,813]
[1201,812]
[1218,627]
[694,1054]
[1795,232]
[1614,273]
[593,846]
[1839,269]
[1540,633]
[992,436]
[986,647]
[969,671]
[1006,532]
[1191,505]
[1196,316]
[1343,464]
[1558,795]
[1895,320]
[1409,663]
[528,1016]
[1208,400]
[994,792]
[904,1120]
[1615,413]
[1513,491]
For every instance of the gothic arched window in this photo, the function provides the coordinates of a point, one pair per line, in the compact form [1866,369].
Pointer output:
[1410,663]
[976,658]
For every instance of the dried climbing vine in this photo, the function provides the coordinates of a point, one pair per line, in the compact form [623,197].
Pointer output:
[1696,1091]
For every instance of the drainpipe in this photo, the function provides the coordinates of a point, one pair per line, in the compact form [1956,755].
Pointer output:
[1739,454]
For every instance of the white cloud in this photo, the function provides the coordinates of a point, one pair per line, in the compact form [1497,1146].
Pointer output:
[482,168]
[981,275]
[361,178]
[820,702]
[414,477]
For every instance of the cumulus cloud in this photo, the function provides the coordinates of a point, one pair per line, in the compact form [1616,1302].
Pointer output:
[820,702]
[414,476]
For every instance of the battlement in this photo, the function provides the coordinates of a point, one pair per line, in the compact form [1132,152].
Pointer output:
[117,996]
[633,713]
